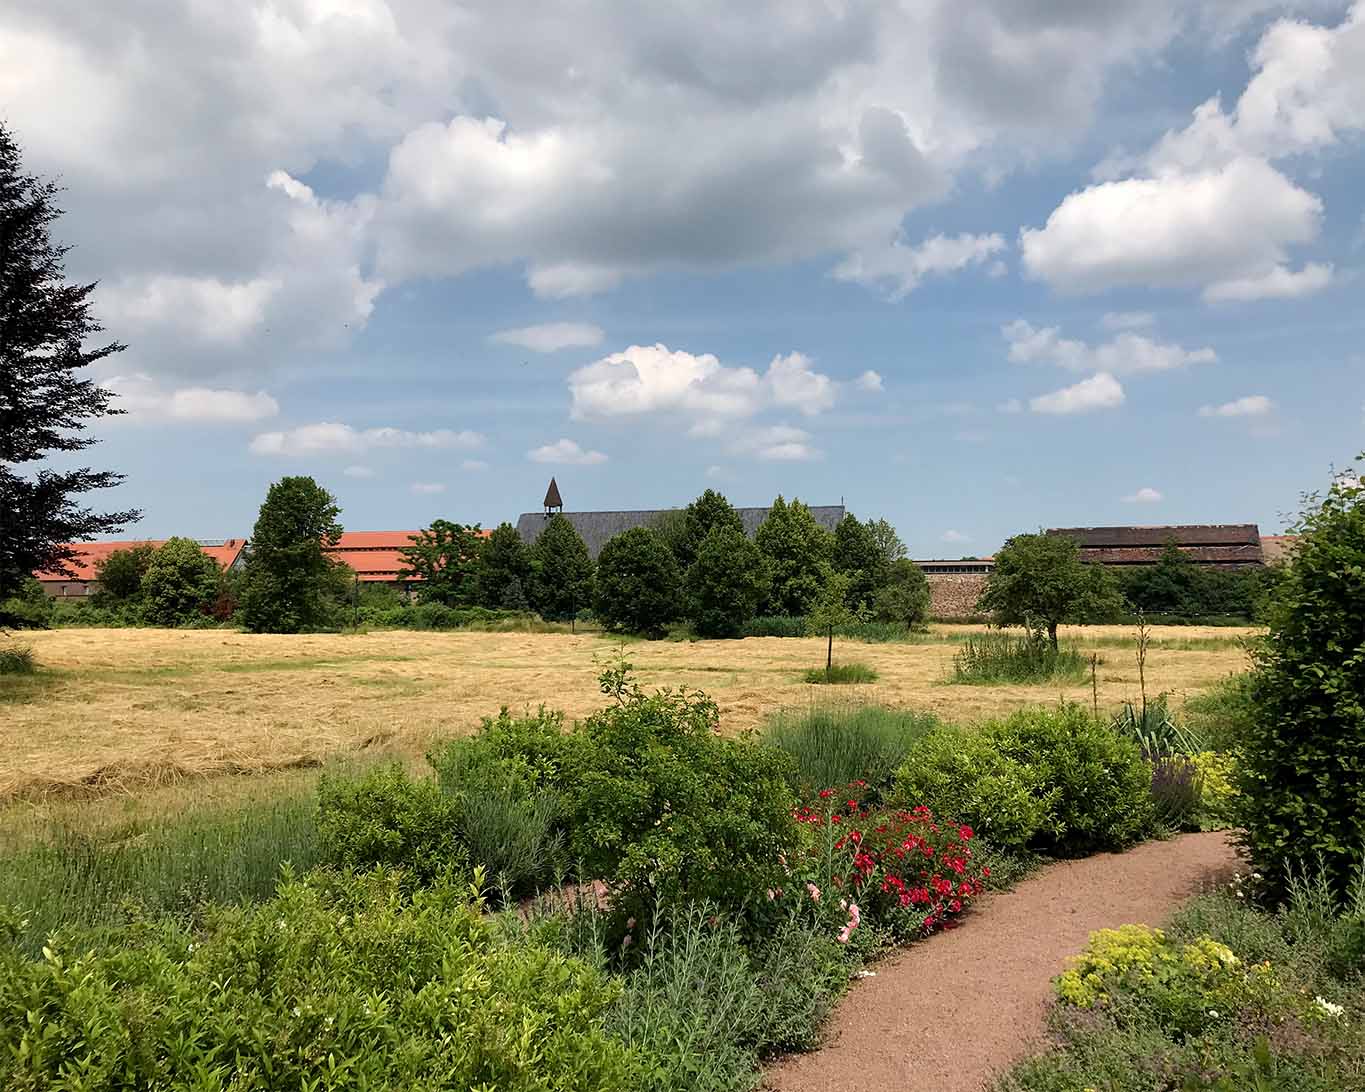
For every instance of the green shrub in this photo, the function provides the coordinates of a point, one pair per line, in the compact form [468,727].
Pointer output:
[904,598]
[962,773]
[1302,760]
[388,818]
[841,674]
[336,983]
[837,744]
[1048,780]
[29,608]
[1000,657]
[17,659]
[1177,792]
[516,837]
[1223,714]
[666,808]
[1155,729]
[180,582]
[529,751]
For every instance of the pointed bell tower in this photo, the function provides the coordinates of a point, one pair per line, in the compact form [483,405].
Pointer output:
[554,503]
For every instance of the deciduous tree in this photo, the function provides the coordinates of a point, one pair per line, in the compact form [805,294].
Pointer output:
[45,405]
[857,556]
[638,584]
[121,572]
[726,584]
[797,550]
[1040,581]
[180,583]
[888,542]
[443,557]
[708,512]
[904,597]
[291,583]
[503,562]
[562,571]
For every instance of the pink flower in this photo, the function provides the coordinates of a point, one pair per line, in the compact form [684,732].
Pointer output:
[630,923]
[628,941]
[814,892]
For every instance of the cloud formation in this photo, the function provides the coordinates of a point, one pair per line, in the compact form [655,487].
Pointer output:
[565,452]
[1145,495]
[550,337]
[1098,392]
[335,438]
[1253,405]
[427,488]
[144,399]
[1126,354]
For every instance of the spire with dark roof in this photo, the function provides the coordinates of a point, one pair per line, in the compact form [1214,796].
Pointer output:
[553,501]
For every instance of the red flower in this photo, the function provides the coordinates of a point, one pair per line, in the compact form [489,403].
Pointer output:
[825,794]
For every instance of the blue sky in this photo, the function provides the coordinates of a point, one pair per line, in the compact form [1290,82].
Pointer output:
[976,268]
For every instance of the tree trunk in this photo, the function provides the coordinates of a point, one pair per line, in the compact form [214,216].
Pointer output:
[829,655]
[1052,634]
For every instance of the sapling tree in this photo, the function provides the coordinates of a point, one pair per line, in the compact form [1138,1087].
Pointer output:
[830,610]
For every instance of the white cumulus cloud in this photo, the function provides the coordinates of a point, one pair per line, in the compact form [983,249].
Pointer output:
[869,381]
[565,452]
[1253,405]
[550,337]
[1126,354]
[1145,495]
[899,268]
[1101,391]
[143,398]
[775,443]
[1277,283]
[953,536]
[335,438]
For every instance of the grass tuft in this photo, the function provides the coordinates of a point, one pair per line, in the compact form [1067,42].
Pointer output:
[17,659]
[841,674]
[834,744]
[999,657]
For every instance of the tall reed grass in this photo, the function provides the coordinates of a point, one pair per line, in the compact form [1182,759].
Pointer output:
[831,744]
[1001,657]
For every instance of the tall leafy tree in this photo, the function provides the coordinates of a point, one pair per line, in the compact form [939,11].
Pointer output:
[443,557]
[181,582]
[121,572]
[45,325]
[561,571]
[1040,581]
[705,514]
[1301,758]
[904,597]
[638,583]
[797,550]
[726,584]
[503,569]
[888,542]
[857,556]
[291,583]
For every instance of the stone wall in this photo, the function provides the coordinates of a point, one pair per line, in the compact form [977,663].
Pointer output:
[954,595]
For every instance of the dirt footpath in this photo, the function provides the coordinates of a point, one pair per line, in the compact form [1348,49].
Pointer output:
[951,1012]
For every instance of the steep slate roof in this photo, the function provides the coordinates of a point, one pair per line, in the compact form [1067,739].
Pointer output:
[1204,544]
[91,554]
[552,497]
[596,528]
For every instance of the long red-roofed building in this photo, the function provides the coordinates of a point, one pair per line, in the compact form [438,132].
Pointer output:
[83,569]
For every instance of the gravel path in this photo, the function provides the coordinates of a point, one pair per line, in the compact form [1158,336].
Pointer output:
[951,1012]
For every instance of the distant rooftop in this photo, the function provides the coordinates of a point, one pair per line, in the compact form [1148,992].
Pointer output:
[1202,543]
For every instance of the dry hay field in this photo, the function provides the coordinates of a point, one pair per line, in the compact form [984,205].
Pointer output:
[123,710]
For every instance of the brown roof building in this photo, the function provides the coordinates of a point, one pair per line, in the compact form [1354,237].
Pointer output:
[1215,544]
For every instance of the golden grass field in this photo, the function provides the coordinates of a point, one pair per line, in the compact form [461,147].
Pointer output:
[126,710]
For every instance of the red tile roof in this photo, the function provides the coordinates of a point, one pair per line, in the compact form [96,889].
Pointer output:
[90,554]
[376,555]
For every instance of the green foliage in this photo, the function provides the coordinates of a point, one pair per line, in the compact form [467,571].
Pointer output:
[291,585]
[1302,757]
[904,596]
[562,577]
[443,558]
[779,625]
[1040,581]
[829,611]
[888,542]
[120,573]
[667,808]
[1045,780]
[29,608]
[503,570]
[1223,714]
[438,616]
[180,584]
[840,674]
[47,337]
[388,818]
[336,983]
[638,584]
[1000,657]
[798,552]
[858,556]
[16,659]
[726,583]
[57,875]
[1176,586]
[709,512]
[701,1009]
[837,744]
[1153,727]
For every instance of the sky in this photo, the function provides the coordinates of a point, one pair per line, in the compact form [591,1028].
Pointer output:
[977,267]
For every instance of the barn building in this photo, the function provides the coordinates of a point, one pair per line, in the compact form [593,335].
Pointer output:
[596,528]
[83,576]
[1217,545]
[376,556]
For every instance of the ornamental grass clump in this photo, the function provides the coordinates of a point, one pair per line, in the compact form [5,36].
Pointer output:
[1000,657]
